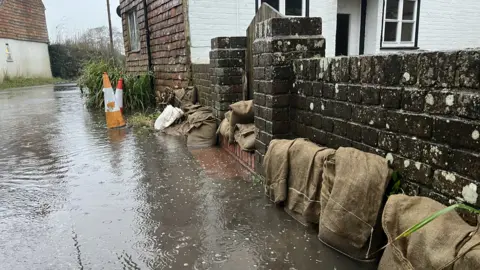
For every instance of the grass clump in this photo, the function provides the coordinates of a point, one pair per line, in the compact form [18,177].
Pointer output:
[435,215]
[15,82]
[138,94]
[142,120]
[422,223]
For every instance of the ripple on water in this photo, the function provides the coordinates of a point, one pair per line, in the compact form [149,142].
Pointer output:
[172,253]
[220,257]
[148,245]
[128,209]
[181,245]
[184,239]
[175,234]
[202,264]
[165,259]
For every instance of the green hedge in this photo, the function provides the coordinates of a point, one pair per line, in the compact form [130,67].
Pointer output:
[67,60]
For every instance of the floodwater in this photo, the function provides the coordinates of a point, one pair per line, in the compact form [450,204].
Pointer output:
[76,196]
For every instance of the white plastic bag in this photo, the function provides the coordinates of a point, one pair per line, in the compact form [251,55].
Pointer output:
[168,117]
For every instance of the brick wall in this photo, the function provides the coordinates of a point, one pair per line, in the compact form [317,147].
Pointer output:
[23,20]
[420,111]
[201,80]
[227,62]
[278,42]
[168,44]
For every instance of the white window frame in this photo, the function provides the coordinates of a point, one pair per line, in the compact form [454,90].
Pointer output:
[398,40]
[133,34]
[282,8]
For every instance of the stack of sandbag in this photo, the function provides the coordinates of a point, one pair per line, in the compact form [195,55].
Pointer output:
[202,128]
[181,128]
[448,242]
[293,171]
[352,197]
[199,126]
[185,96]
[242,113]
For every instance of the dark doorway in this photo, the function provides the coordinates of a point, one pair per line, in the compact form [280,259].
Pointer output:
[343,29]
[274,3]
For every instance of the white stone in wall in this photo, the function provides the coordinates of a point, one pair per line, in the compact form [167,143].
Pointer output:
[469,193]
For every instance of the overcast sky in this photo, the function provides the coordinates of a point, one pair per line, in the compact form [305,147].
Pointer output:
[74,16]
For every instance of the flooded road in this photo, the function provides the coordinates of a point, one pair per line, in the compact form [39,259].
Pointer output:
[76,196]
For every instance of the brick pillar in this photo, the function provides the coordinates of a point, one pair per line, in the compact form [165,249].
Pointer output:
[227,63]
[279,41]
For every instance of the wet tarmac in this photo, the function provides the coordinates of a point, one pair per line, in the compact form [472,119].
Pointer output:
[76,196]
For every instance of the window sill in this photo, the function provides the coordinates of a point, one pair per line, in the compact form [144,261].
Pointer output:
[134,51]
[398,48]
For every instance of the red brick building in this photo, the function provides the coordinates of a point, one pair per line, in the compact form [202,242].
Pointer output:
[166,49]
[24,39]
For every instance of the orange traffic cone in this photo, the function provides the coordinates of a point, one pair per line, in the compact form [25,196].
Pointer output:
[112,111]
[119,94]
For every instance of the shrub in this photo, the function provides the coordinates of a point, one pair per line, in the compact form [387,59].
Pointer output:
[138,93]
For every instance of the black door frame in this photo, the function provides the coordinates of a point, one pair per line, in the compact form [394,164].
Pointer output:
[363,19]
[348,32]
[307,7]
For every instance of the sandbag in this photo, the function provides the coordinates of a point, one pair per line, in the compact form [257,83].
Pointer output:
[352,196]
[167,117]
[185,96]
[224,128]
[242,113]
[203,135]
[191,108]
[293,170]
[180,129]
[245,136]
[202,128]
[306,161]
[448,242]
[276,168]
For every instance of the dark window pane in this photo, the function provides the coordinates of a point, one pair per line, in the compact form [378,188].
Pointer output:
[408,9]
[390,31]
[293,7]
[274,3]
[407,31]
[133,31]
[392,9]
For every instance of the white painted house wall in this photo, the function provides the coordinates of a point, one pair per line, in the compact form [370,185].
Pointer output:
[327,10]
[449,24]
[443,25]
[373,26]
[354,8]
[30,59]
[216,18]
